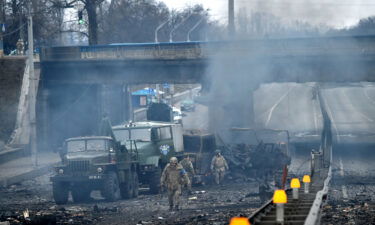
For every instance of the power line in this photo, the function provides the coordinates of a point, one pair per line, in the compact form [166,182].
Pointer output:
[14,31]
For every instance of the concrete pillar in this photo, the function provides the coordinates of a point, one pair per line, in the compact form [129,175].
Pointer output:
[128,106]
[44,141]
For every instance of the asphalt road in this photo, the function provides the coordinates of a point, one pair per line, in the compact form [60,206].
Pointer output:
[289,106]
[352,111]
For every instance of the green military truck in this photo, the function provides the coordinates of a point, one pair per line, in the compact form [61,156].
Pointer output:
[96,163]
[156,143]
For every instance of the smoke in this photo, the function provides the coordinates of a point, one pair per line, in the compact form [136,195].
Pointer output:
[336,14]
[238,68]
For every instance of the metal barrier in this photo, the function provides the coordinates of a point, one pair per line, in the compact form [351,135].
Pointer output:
[314,215]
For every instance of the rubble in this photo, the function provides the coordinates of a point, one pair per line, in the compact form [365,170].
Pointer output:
[249,162]
[206,206]
[358,209]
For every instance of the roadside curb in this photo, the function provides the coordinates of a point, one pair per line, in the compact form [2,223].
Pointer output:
[27,175]
[11,154]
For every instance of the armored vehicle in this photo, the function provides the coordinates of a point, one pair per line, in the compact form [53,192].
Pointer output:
[156,143]
[96,163]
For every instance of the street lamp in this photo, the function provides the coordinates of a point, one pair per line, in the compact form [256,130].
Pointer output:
[193,28]
[158,28]
[177,26]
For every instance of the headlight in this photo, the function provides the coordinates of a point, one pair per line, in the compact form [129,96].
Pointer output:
[61,171]
[99,170]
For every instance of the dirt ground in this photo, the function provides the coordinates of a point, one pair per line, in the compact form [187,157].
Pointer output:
[207,205]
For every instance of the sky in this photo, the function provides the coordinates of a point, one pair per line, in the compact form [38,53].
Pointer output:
[333,13]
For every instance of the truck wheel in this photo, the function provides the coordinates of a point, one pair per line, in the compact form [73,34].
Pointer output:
[111,188]
[127,188]
[136,185]
[80,194]
[60,192]
[155,181]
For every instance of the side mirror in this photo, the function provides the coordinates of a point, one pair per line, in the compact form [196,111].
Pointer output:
[183,114]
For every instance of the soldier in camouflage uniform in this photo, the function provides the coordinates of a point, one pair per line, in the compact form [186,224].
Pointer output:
[173,177]
[218,166]
[189,168]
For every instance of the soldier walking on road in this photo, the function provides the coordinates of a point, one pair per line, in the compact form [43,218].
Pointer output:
[218,167]
[173,177]
[189,168]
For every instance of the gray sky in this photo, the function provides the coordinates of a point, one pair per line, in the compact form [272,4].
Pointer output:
[336,13]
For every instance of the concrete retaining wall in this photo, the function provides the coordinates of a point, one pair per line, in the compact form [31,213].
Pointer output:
[11,74]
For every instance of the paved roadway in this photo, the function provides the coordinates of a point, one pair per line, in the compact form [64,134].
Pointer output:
[289,106]
[352,111]
[351,108]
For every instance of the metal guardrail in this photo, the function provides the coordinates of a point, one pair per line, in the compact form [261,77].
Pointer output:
[260,211]
[314,215]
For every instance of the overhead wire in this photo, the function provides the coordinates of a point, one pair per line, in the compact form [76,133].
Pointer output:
[14,31]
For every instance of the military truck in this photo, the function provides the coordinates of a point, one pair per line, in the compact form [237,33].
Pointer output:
[96,163]
[156,143]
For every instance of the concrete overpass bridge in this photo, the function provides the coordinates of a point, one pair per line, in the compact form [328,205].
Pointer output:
[79,83]
[327,59]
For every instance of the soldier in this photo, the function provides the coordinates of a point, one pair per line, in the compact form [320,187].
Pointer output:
[173,177]
[188,167]
[218,167]
[20,47]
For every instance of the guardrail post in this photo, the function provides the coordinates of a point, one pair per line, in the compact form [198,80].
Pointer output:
[316,163]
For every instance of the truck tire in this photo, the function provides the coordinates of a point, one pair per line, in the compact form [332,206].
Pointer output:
[136,184]
[60,192]
[155,181]
[111,188]
[80,193]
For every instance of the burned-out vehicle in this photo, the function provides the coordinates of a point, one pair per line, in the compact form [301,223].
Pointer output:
[96,163]
[156,142]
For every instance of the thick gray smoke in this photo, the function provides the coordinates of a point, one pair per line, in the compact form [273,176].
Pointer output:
[316,12]
[239,68]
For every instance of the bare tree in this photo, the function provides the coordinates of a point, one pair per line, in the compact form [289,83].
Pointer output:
[91,7]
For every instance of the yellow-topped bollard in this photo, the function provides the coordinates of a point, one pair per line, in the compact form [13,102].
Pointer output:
[239,221]
[279,198]
[295,184]
[306,183]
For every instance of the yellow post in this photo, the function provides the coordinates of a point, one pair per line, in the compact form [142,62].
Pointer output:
[295,184]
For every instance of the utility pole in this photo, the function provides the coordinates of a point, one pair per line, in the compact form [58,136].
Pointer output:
[32,90]
[231,28]
[2,26]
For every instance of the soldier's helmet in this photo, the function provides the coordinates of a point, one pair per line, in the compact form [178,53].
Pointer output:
[173,160]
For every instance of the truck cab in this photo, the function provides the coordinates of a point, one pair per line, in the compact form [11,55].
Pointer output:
[156,143]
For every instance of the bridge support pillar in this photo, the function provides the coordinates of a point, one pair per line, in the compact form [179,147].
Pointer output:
[43,142]
[128,106]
